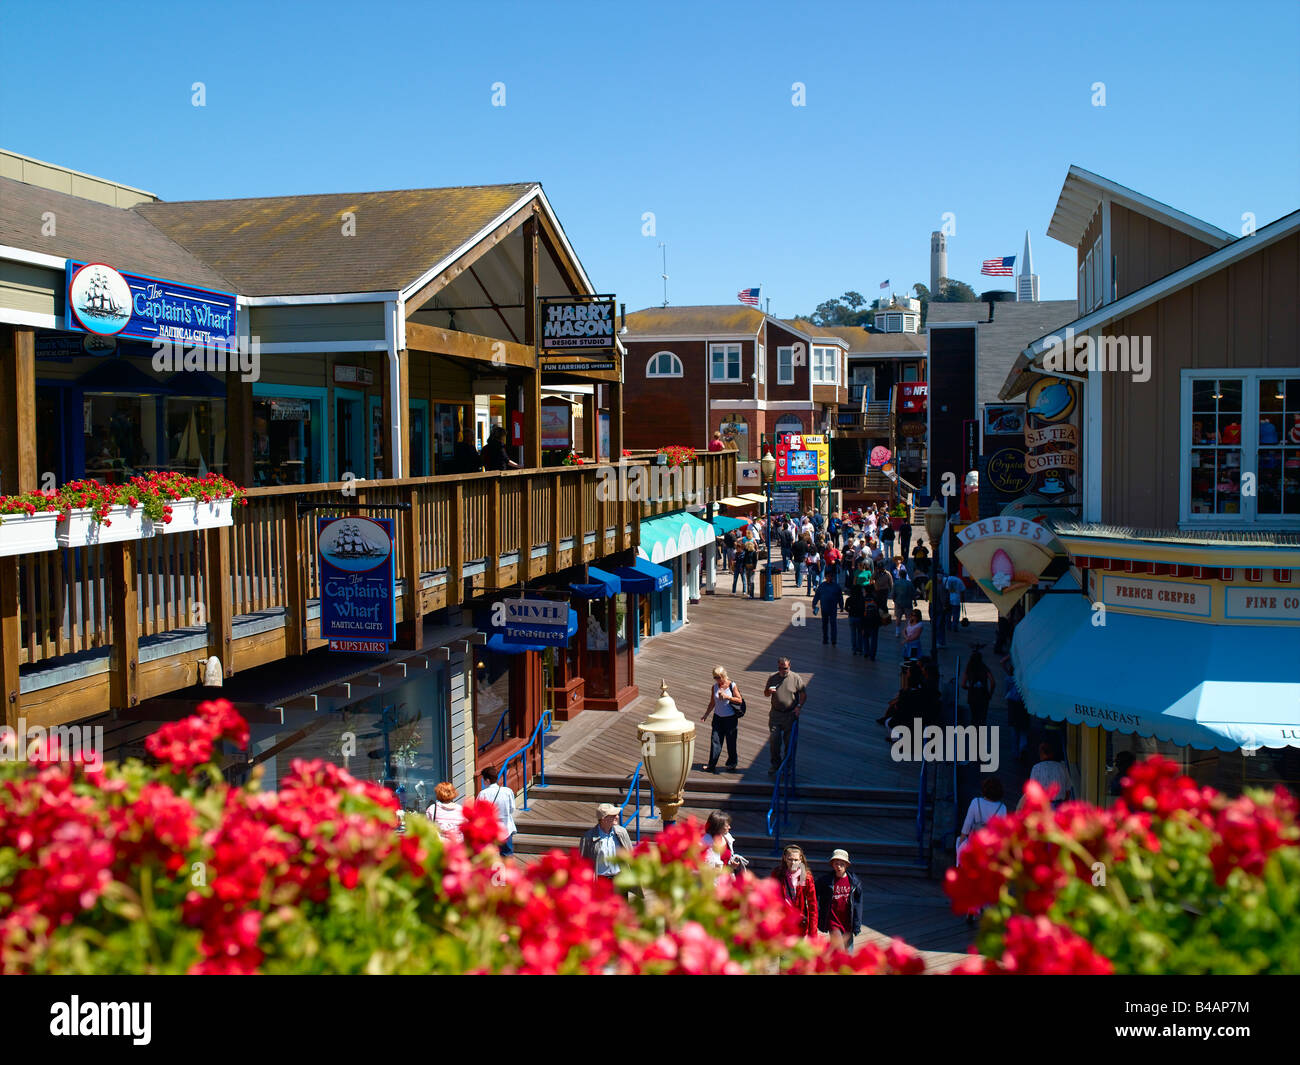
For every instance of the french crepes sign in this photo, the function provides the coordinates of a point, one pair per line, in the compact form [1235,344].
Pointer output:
[574,324]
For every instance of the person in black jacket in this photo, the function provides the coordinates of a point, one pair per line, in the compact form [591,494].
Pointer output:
[853,606]
[494,455]
[839,902]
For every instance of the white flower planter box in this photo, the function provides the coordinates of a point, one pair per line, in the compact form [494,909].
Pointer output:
[191,515]
[25,534]
[81,530]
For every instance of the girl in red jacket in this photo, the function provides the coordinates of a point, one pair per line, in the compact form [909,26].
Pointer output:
[800,891]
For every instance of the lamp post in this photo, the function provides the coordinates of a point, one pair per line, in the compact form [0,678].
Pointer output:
[936,517]
[768,466]
[667,741]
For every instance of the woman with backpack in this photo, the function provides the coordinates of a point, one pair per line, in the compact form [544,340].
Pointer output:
[751,565]
[983,808]
[978,683]
[727,707]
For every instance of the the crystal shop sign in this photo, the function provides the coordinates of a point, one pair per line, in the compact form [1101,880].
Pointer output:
[357,585]
[570,326]
[107,302]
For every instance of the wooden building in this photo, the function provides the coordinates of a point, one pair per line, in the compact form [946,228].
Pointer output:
[373,331]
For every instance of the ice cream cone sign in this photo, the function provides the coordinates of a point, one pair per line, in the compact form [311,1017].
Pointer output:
[1006,556]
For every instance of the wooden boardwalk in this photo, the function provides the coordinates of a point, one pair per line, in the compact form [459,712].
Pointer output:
[840,744]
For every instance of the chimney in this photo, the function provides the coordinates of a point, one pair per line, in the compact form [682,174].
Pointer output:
[997,295]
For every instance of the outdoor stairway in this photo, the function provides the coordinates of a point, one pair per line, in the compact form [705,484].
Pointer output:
[876,826]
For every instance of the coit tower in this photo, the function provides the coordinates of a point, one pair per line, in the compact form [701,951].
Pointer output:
[938,259]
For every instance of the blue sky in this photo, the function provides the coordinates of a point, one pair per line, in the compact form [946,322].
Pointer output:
[685,110]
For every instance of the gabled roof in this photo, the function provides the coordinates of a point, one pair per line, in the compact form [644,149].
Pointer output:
[721,320]
[834,333]
[1239,249]
[90,231]
[1084,191]
[295,245]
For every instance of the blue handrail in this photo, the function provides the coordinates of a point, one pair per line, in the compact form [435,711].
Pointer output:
[633,790]
[779,812]
[500,721]
[545,719]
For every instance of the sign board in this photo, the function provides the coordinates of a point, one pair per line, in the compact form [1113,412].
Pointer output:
[357,602]
[786,501]
[103,301]
[353,375]
[913,396]
[576,366]
[290,410]
[574,324]
[1052,439]
[1147,596]
[555,424]
[1005,556]
[537,621]
[801,458]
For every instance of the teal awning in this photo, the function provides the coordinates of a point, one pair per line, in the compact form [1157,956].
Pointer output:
[1211,687]
[725,524]
[663,539]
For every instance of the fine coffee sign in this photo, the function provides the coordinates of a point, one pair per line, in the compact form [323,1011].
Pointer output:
[577,325]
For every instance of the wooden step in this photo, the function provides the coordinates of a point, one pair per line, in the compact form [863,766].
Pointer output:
[733,785]
[596,794]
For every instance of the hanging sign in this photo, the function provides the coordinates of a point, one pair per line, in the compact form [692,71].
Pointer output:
[801,457]
[357,583]
[572,325]
[537,621]
[104,301]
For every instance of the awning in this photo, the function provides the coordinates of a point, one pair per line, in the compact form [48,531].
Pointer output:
[643,577]
[752,497]
[667,537]
[723,524]
[497,641]
[1211,687]
[600,585]
[734,501]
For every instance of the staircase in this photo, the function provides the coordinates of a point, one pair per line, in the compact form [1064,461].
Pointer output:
[877,826]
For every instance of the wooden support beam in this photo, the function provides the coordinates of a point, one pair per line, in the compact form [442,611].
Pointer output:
[533,381]
[615,421]
[18,472]
[239,429]
[590,425]
[526,528]
[402,416]
[580,539]
[218,597]
[498,354]
[411,543]
[456,548]
[436,284]
[125,658]
[295,579]
[10,641]
[494,533]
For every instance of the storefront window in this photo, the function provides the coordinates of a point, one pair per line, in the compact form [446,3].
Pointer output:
[121,435]
[1216,446]
[1279,446]
[196,435]
[493,716]
[287,434]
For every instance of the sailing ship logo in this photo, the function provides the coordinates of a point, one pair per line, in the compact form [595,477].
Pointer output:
[355,544]
[100,298]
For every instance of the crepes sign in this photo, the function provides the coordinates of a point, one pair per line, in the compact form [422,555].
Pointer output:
[576,324]
[1006,555]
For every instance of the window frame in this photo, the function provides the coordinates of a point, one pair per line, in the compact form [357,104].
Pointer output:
[654,359]
[786,351]
[1248,516]
[726,347]
[820,355]
[761,364]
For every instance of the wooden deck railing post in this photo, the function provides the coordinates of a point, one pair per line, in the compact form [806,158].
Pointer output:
[557,482]
[295,580]
[217,590]
[620,513]
[494,533]
[526,530]
[124,662]
[10,641]
[456,549]
[411,532]
[580,539]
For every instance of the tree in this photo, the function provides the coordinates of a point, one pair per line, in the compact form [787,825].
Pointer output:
[843,310]
[949,291]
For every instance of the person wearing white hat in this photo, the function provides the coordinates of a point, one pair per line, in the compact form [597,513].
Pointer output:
[603,840]
[839,902]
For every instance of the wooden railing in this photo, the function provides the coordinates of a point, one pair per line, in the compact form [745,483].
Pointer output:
[81,599]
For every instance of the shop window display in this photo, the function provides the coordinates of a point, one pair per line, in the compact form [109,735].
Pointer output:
[1279,446]
[287,441]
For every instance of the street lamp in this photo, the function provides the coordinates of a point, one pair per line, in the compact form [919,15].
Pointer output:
[936,517]
[667,741]
[768,466]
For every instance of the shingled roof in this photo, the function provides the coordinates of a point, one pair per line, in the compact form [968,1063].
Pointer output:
[863,341]
[723,320]
[295,245]
[88,230]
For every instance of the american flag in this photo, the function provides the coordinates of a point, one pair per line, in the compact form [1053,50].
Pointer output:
[998,267]
[748,295]
[884,284]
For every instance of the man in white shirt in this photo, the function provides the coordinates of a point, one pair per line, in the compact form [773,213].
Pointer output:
[504,800]
[603,840]
[1049,770]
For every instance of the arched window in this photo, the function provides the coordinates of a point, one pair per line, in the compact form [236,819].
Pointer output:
[788,423]
[663,364]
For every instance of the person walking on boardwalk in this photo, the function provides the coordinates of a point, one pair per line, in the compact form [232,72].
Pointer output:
[445,812]
[798,888]
[720,845]
[839,903]
[603,840]
[830,601]
[788,694]
[854,607]
[871,622]
[503,799]
[978,683]
[904,592]
[725,703]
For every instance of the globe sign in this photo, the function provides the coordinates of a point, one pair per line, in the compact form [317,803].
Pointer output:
[879,456]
